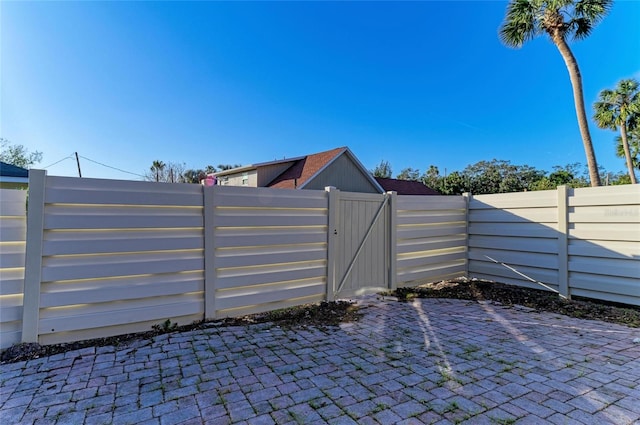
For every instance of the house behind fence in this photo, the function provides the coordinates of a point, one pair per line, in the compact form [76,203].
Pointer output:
[107,257]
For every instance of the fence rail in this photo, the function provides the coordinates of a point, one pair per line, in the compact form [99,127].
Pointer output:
[110,257]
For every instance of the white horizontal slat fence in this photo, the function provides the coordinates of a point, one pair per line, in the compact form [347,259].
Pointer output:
[270,249]
[604,243]
[431,235]
[583,242]
[519,230]
[105,258]
[118,256]
[13,233]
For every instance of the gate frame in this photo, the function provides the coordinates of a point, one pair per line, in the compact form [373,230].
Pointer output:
[390,203]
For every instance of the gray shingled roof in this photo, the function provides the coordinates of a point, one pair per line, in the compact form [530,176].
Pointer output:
[8,170]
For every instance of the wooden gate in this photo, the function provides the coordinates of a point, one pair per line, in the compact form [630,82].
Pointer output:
[361,251]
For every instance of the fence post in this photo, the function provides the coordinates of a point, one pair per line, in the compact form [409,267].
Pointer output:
[563,241]
[393,239]
[333,207]
[467,202]
[33,256]
[209,252]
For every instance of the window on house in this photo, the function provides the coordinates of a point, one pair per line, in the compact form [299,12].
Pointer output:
[224,181]
[245,179]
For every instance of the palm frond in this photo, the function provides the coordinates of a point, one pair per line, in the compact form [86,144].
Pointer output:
[604,116]
[633,138]
[580,28]
[593,10]
[617,107]
[519,24]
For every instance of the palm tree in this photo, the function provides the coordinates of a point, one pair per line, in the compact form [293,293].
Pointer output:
[619,108]
[157,167]
[633,140]
[559,19]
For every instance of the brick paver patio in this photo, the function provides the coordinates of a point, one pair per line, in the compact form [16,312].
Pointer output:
[426,361]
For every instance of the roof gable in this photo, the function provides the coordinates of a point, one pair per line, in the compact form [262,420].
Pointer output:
[405,187]
[304,169]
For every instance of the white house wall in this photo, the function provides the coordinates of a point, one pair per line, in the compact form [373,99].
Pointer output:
[245,178]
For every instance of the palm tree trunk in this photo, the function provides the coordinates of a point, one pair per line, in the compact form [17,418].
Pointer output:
[578,98]
[627,152]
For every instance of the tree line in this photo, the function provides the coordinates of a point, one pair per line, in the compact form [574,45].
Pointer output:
[499,176]
[175,172]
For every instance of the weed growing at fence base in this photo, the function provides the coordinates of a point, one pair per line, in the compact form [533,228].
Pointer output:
[537,300]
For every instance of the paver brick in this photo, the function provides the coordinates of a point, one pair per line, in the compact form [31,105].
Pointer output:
[262,395]
[180,415]
[409,409]
[376,370]
[587,405]
[133,418]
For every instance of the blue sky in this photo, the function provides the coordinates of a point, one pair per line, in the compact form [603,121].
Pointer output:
[413,83]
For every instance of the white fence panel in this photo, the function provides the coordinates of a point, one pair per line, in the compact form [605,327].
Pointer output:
[604,243]
[518,230]
[119,256]
[593,245]
[270,249]
[13,229]
[431,238]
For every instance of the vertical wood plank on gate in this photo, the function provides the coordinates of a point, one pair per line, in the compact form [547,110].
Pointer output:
[33,257]
[333,206]
[563,241]
[393,240]
[209,252]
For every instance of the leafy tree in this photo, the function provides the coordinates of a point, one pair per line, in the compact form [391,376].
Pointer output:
[18,155]
[193,176]
[618,108]
[571,175]
[431,178]
[224,167]
[619,178]
[499,176]
[411,174]
[382,170]
[453,184]
[170,172]
[559,19]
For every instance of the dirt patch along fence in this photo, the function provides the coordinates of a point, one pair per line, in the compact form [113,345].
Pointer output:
[107,257]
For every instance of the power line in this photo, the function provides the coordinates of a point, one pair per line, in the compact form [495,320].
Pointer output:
[57,162]
[109,166]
